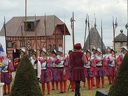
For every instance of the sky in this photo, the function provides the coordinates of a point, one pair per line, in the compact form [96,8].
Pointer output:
[100,9]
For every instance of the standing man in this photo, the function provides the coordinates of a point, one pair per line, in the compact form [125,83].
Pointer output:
[62,73]
[15,54]
[77,61]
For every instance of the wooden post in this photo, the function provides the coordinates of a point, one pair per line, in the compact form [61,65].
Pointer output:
[95,35]
[26,25]
[126,26]
[85,31]
[113,35]
[72,26]
[45,23]
[36,41]
[89,31]
[55,34]
[5,34]
[102,39]
[114,31]
[64,38]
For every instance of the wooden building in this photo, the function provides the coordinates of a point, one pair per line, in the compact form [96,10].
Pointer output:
[17,31]
[120,40]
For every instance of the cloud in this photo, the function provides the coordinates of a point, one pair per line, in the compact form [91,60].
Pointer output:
[103,9]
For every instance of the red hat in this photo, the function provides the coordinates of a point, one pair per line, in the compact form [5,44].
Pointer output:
[77,46]
[14,43]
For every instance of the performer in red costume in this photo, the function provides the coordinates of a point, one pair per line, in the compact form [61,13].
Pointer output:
[113,69]
[77,62]
[72,83]
[89,72]
[46,75]
[107,61]
[100,73]
[93,56]
[54,69]
[62,72]
[124,50]
[6,67]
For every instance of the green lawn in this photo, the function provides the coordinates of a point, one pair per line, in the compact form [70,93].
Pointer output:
[84,91]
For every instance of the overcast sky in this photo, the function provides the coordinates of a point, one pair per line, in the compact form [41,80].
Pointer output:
[103,9]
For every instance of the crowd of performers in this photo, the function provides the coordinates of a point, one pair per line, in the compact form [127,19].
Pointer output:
[53,70]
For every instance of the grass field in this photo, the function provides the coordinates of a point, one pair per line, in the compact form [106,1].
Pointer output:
[83,90]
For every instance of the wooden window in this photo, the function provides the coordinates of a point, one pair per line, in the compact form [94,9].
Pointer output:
[22,43]
[29,26]
[60,45]
[9,44]
[50,47]
[54,46]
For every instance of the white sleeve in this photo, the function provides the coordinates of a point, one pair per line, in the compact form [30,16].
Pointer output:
[43,65]
[38,69]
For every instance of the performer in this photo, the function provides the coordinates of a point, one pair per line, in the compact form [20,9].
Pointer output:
[93,56]
[108,60]
[15,55]
[62,72]
[6,74]
[22,52]
[113,69]
[55,61]
[124,50]
[33,60]
[72,83]
[89,71]
[99,69]
[45,71]
[17,60]
[77,61]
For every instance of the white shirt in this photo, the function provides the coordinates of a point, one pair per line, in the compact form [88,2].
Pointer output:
[88,65]
[43,64]
[100,60]
[61,64]
[32,61]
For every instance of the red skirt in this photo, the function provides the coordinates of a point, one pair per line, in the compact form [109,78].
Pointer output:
[113,71]
[78,74]
[62,74]
[46,76]
[6,78]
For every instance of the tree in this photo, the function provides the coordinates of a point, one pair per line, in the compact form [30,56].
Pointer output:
[120,85]
[25,83]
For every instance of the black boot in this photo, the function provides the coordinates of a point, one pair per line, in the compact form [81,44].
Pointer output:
[78,94]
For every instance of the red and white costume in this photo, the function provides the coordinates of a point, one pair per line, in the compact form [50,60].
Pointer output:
[6,74]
